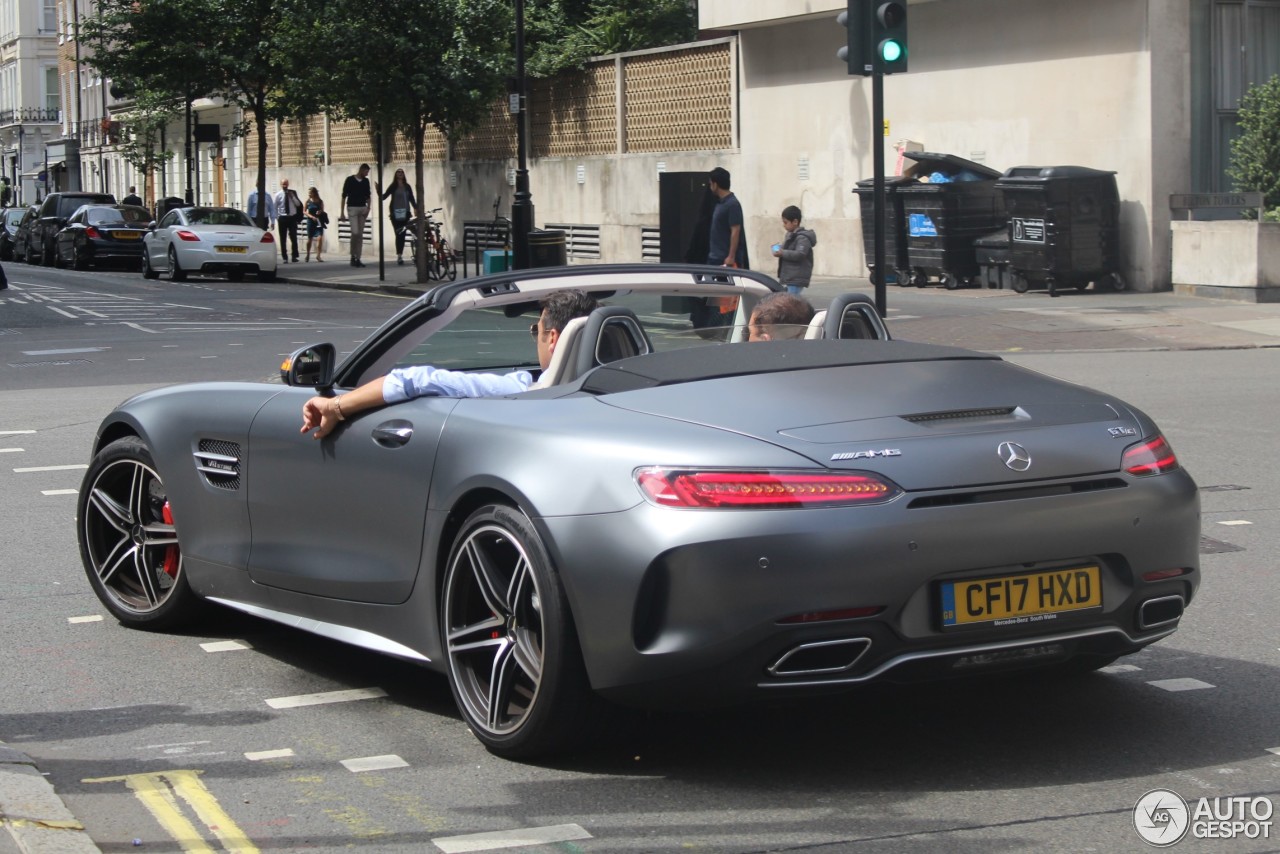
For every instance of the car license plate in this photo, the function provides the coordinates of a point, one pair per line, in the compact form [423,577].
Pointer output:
[1009,600]
[127,235]
[238,249]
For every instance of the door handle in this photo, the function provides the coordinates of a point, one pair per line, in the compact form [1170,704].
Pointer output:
[393,434]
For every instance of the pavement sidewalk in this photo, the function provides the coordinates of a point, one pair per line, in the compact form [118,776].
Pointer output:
[35,818]
[979,319]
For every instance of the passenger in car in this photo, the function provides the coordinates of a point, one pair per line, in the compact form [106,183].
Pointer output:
[322,414]
[779,316]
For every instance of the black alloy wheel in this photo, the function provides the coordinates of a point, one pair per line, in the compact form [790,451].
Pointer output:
[515,666]
[129,541]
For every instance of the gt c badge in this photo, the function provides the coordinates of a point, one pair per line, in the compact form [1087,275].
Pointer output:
[1014,456]
[1122,431]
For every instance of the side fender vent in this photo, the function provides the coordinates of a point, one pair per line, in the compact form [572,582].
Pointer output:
[219,462]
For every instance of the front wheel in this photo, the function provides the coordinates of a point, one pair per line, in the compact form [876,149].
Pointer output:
[448,267]
[128,539]
[515,666]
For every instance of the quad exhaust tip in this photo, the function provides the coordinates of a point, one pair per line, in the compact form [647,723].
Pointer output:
[820,657]
[1154,613]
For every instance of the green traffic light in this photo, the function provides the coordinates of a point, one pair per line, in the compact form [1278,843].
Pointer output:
[891,50]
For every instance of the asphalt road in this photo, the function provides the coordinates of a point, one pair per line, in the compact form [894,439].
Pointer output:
[164,739]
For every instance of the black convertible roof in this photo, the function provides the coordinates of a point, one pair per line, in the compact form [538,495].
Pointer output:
[732,360]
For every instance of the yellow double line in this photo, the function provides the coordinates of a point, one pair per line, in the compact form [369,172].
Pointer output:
[160,792]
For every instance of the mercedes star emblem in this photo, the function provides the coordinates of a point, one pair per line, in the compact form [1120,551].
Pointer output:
[1015,456]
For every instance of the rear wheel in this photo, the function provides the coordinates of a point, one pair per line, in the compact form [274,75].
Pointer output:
[950,282]
[29,255]
[128,539]
[266,275]
[448,268]
[235,275]
[47,255]
[176,273]
[78,260]
[1020,283]
[515,666]
[57,258]
[1116,282]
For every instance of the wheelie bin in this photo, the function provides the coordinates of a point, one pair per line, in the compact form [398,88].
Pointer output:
[1064,227]
[955,203]
[895,227]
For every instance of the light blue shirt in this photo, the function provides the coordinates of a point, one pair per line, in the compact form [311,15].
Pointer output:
[253,206]
[422,380]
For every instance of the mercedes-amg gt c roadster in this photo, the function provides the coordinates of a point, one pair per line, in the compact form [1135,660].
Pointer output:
[677,516]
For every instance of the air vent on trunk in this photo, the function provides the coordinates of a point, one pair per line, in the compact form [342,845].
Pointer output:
[960,415]
[219,462]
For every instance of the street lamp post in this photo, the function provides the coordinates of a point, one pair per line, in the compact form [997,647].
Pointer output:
[522,205]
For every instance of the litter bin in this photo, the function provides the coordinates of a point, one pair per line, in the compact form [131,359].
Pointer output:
[169,203]
[994,257]
[957,204]
[548,248]
[1064,226]
[895,229]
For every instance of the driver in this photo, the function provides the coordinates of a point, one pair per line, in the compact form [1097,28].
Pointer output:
[779,316]
[322,414]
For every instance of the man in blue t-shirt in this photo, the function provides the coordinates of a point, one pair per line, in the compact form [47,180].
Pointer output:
[728,240]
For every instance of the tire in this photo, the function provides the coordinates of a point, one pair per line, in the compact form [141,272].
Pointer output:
[1020,283]
[147,271]
[176,273]
[510,641]
[128,540]
[58,263]
[1116,282]
[29,255]
[448,267]
[266,275]
[47,255]
[235,275]
[919,278]
[950,282]
[78,261]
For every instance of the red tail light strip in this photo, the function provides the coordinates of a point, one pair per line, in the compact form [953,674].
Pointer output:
[1154,456]
[762,489]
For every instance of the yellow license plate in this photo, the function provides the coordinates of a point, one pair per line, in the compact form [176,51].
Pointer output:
[1010,600]
[237,249]
[127,235]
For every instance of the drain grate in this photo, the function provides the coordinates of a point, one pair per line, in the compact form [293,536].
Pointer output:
[1210,546]
[58,362]
[1225,487]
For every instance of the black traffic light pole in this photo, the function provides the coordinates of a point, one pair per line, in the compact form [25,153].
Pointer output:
[522,203]
[877,145]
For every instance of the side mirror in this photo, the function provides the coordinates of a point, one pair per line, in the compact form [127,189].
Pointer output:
[151,226]
[310,366]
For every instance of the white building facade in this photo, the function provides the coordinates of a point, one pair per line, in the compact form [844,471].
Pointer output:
[30,99]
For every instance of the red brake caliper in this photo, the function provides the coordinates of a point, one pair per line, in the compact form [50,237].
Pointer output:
[171,553]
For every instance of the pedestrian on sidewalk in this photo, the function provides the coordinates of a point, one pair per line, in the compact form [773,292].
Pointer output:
[403,206]
[133,198]
[356,194]
[795,253]
[270,210]
[317,222]
[728,238]
[288,214]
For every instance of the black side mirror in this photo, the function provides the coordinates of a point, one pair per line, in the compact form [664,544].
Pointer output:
[310,366]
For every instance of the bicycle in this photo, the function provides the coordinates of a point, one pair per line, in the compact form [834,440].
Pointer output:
[440,261]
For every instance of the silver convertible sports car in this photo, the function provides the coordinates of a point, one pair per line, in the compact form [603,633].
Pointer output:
[673,516]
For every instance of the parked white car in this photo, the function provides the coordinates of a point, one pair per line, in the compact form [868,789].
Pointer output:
[208,240]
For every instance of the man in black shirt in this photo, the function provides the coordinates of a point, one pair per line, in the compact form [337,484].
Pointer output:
[356,194]
[132,198]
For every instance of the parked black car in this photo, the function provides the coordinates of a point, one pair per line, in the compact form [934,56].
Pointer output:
[100,233]
[55,210]
[22,234]
[8,228]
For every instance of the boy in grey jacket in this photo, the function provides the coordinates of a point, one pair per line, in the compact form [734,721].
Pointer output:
[795,253]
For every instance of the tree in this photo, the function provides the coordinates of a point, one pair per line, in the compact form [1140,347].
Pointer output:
[566,33]
[1255,154]
[408,65]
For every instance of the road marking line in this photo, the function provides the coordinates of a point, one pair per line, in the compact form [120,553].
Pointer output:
[326,697]
[91,618]
[157,793]
[259,755]
[51,468]
[1236,522]
[1180,684]
[142,328]
[12,450]
[1275,750]
[374,763]
[176,744]
[63,352]
[16,432]
[58,491]
[510,838]
[1119,668]
[60,311]
[224,646]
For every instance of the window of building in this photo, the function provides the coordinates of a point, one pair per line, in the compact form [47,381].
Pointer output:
[52,96]
[1235,45]
[49,16]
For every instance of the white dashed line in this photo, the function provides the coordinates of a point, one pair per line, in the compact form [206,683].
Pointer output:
[224,646]
[50,468]
[325,697]
[374,763]
[1275,750]
[1119,668]
[259,755]
[91,618]
[58,492]
[510,838]
[12,450]
[16,432]
[1180,684]
[1235,522]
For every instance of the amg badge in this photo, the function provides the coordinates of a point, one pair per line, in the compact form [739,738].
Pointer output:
[866,455]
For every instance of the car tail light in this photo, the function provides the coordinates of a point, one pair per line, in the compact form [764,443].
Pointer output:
[267,238]
[762,489]
[189,236]
[1154,456]
[92,233]
[1164,574]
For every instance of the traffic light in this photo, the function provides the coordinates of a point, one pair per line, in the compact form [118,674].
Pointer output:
[857,50]
[889,36]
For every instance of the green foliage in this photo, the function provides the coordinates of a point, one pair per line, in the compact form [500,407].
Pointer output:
[565,34]
[1255,154]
